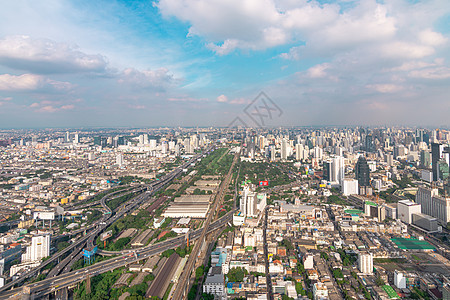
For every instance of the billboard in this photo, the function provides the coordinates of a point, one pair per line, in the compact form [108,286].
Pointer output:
[44,215]
[264,183]
[106,235]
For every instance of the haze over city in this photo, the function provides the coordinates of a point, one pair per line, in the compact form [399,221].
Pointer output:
[200,63]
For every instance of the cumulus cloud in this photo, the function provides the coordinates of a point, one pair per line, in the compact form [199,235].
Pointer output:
[43,56]
[31,82]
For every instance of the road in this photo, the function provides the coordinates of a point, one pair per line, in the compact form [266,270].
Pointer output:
[50,285]
[183,282]
[107,220]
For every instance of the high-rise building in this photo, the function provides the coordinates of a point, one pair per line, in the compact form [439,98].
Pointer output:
[436,155]
[67,137]
[284,149]
[362,172]
[389,159]
[433,204]
[365,262]
[399,280]
[425,159]
[76,139]
[299,152]
[39,249]
[119,160]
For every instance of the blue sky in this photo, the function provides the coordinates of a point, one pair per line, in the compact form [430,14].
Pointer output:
[201,62]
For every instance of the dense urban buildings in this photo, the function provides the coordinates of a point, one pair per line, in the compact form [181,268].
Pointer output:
[288,213]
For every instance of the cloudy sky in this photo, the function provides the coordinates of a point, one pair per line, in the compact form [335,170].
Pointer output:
[202,62]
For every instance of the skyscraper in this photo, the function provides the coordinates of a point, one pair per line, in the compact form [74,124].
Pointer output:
[362,172]
[436,154]
[284,149]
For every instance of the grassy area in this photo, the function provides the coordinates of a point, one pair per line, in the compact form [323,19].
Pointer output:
[166,295]
[389,260]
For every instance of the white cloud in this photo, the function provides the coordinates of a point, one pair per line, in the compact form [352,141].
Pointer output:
[222,98]
[385,88]
[318,71]
[51,106]
[432,38]
[147,79]
[31,82]
[431,73]
[44,56]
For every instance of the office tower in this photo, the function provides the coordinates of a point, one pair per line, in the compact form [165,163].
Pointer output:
[425,158]
[362,172]
[39,249]
[145,139]
[370,146]
[365,262]
[98,140]
[119,160]
[327,170]
[337,168]
[33,141]
[141,139]
[187,146]
[120,141]
[67,137]
[284,149]
[433,204]
[436,155]
[76,139]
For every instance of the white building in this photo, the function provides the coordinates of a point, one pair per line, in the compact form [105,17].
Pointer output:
[119,160]
[405,209]
[320,291]
[433,204]
[40,248]
[308,262]
[349,187]
[399,280]
[365,262]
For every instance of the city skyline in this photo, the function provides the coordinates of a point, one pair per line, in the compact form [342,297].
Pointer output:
[201,63]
